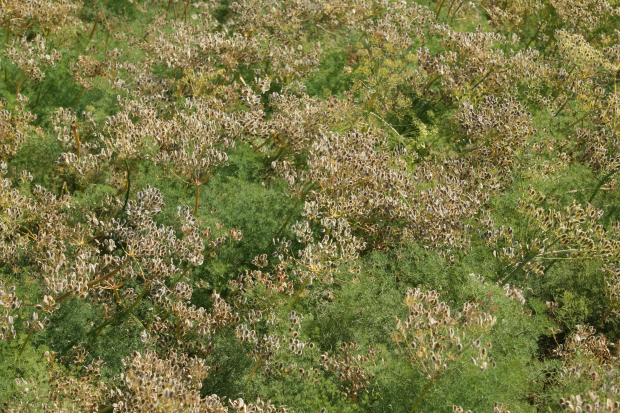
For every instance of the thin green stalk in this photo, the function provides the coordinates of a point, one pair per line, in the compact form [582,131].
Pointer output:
[117,317]
[92,32]
[600,184]
[8,29]
[25,342]
[168,9]
[535,35]
[426,389]
[290,215]
[129,168]
[528,258]
[186,6]
[19,83]
[76,135]
[483,79]
[99,280]
[438,8]
[77,99]
[457,10]
[607,313]
[197,199]
[450,8]
[580,119]
[256,366]
[48,90]
[560,109]
[105,51]
[430,83]
[301,290]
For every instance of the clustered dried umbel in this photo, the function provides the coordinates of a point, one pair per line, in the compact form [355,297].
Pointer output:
[497,130]
[587,358]
[98,258]
[585,343]
[50,15]
[592,402]
[275,353]
[375,189]
[570,231]
[172,384]
[30,56]
[197,86]
[351,369]
[438,343]
[66,392]
[15,127]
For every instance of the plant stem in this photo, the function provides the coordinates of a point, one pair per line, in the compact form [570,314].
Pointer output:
[607,313]
[92,32]
[290,215]
[77,138]
[301,290]
[527,259]
[105,51]
[450,8]
[438,8]
[186,6]
[19,83]
[8,29]
[197,199]
[579,120]
[483,78]
[426,389]
[457,10]
[129,168]
[168,9]
[25,342]
[117,316]
[600,184]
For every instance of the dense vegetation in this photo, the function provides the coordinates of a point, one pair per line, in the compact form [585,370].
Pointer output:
[341,206]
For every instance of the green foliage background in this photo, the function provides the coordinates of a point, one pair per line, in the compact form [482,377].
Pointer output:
[246,194]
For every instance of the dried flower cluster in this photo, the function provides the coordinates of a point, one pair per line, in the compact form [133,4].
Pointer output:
[314,161]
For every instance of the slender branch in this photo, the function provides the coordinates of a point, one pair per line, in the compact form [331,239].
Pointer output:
[79,96]
[197,198]
[105,51]
[580,119]
[19,83]
[301,290]
[426,389]
[76,135]
[601,183]
[607,313]
[8,29]
[258,363]
[129,168]
[483,79]
[96,281]
[25,342]
[186,6]
[450,8]
[438,9]
[290,215]
[117,316]
[457,10]
[92,32]
[522,264]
